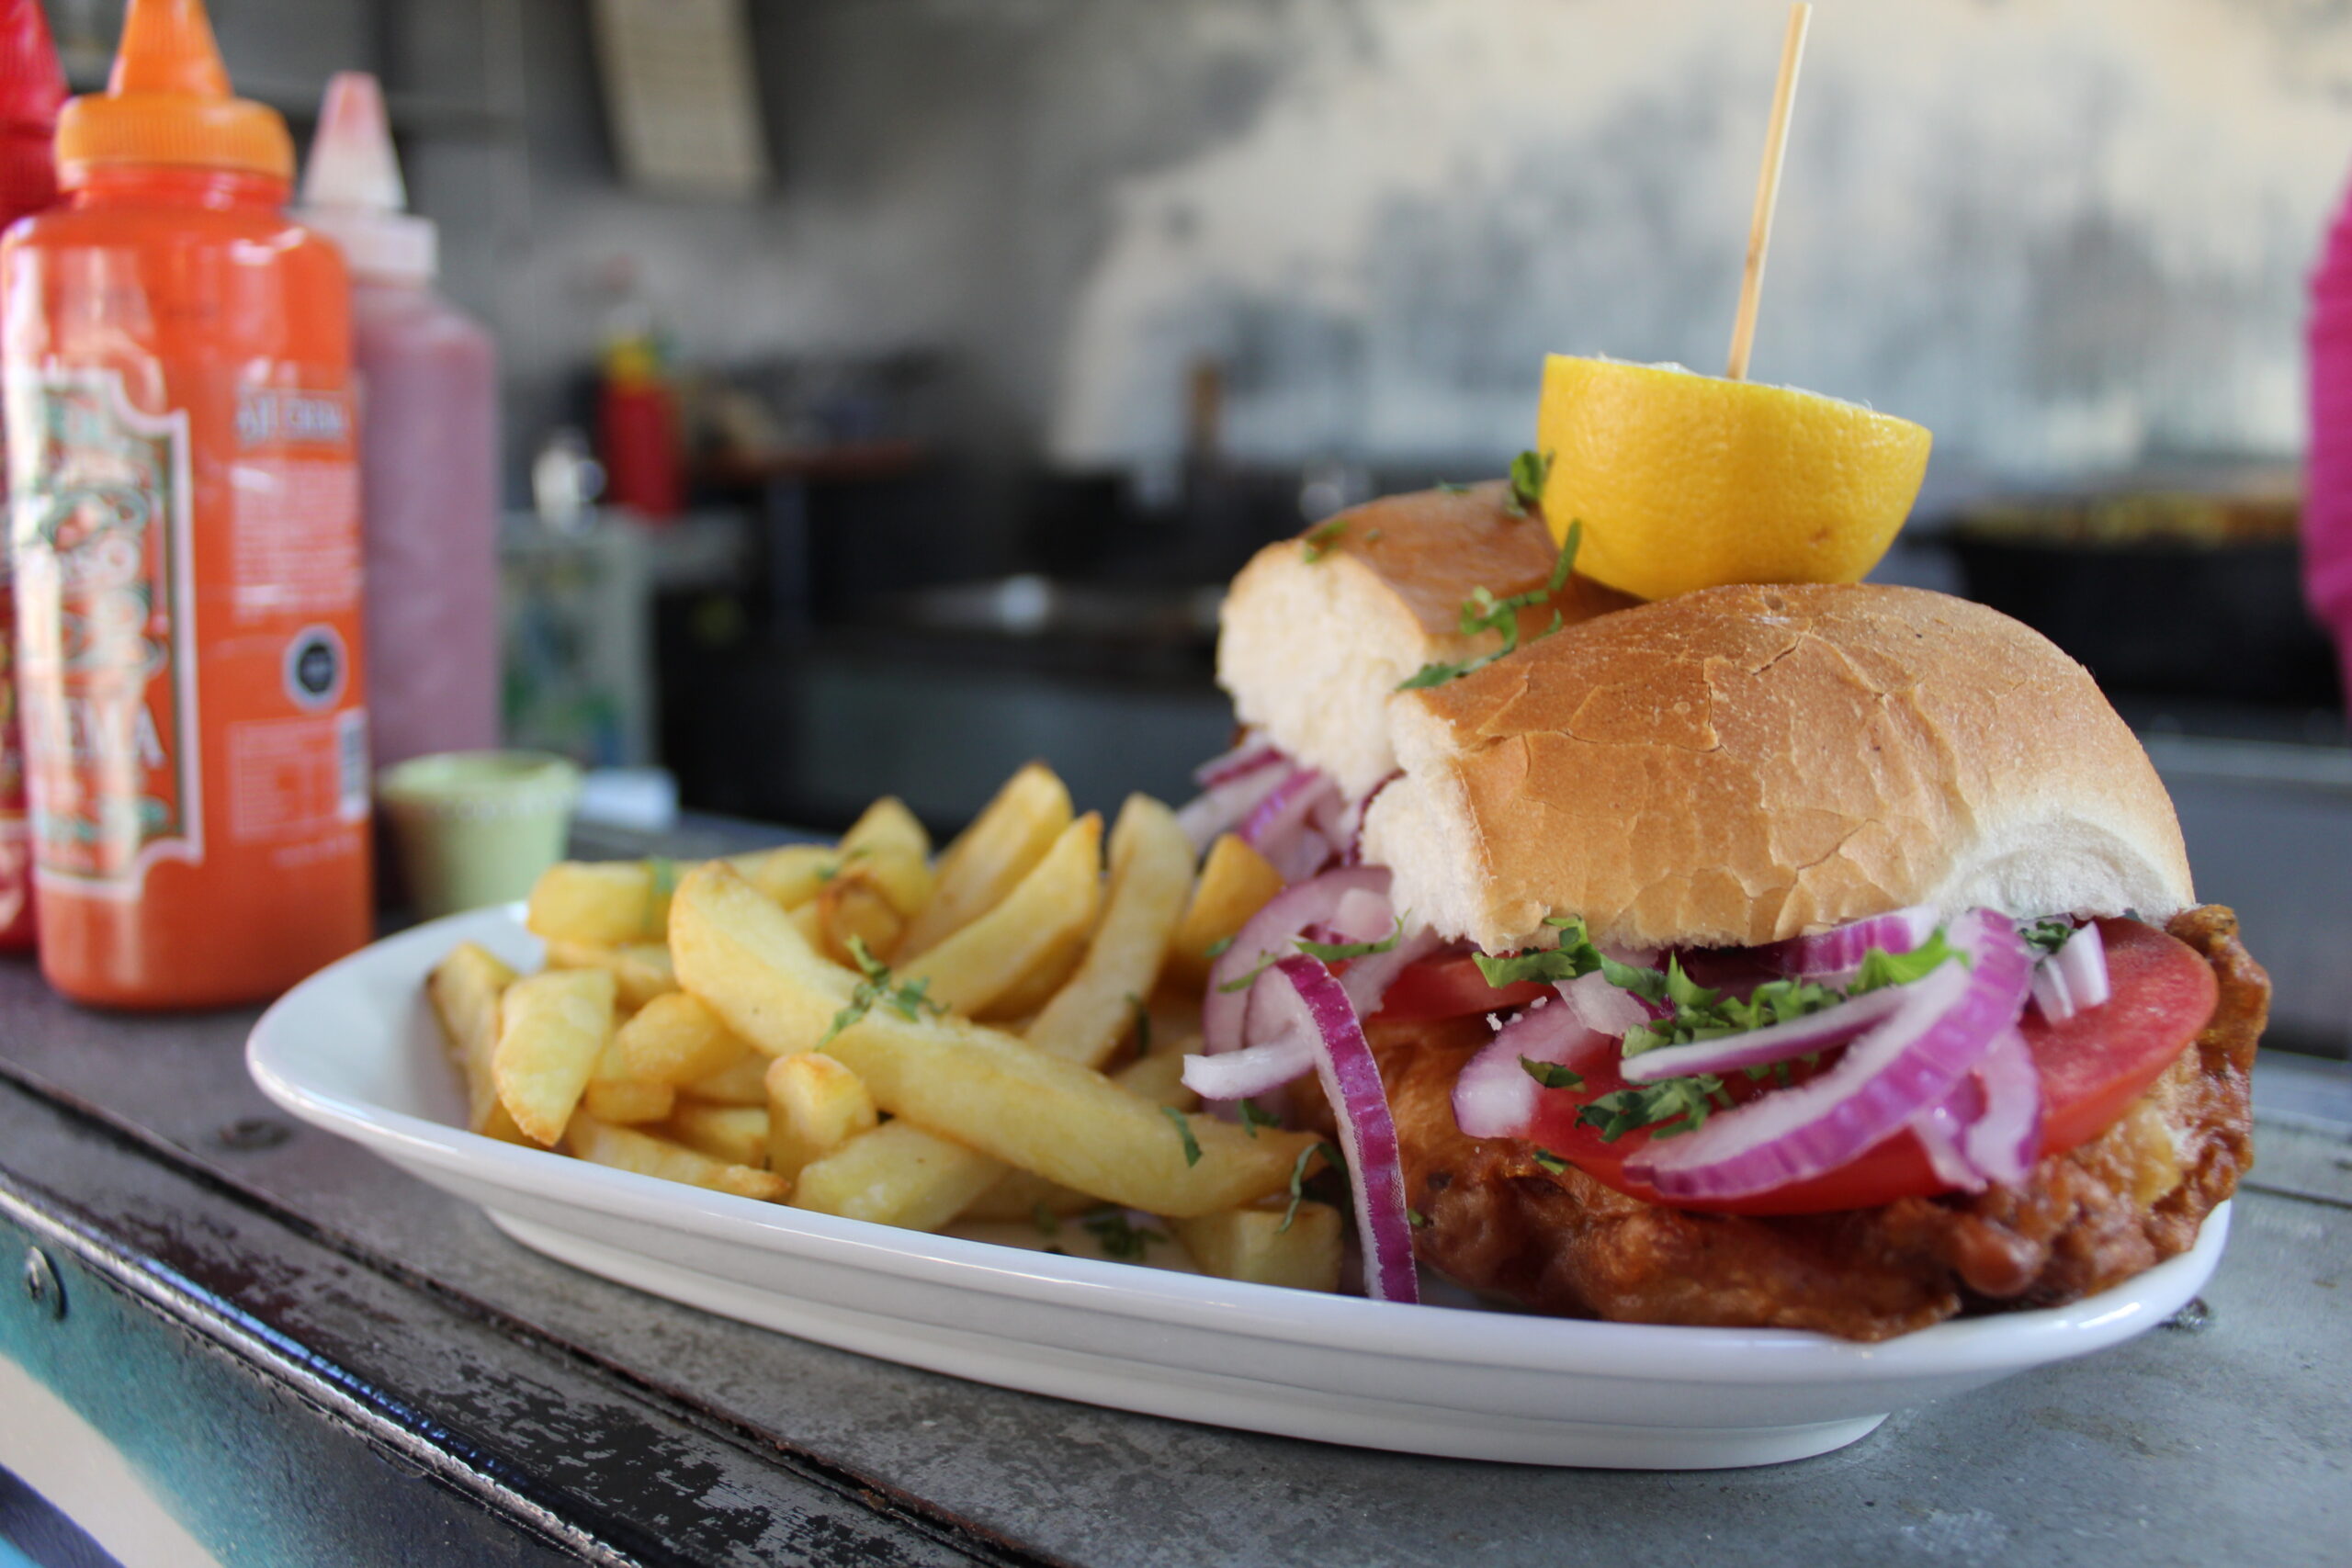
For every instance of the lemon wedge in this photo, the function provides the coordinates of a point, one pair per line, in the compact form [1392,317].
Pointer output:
[1685,481]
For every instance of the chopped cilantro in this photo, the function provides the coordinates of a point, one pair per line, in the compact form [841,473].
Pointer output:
[1551,1075]
[1322,537]
[1253,1118]
[1121,1237]
[906,999]
[1216,948]
[1528,472]
[1882,968]
[1482,612]
[1334,951]
[2049,935]
[1452,487]
[1550,1162]
[827,872]
[1416,1219]
[1298,1179]
[1184,1131]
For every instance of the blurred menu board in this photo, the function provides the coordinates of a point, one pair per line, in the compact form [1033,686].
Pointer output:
[680,96]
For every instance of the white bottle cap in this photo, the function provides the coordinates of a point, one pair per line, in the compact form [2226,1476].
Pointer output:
[352,190]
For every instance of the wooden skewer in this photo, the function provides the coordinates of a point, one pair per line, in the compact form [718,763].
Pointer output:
[1768,191]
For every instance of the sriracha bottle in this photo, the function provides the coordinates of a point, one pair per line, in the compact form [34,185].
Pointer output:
[185,526]
[31,86]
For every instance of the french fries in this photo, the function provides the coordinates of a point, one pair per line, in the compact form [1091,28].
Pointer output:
[988,1090]
[811,1024]
[1151,868]
[552,1030]
[991,856]
[1236,882]
[674,1039]
[613,1096]
[625,1148]
[742,1082]
[737,1135]
[1057,902]
[1261,1245]
[815,1105]
[640,970]
[464,988]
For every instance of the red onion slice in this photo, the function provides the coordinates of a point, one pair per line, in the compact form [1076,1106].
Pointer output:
[1304,990]
[1843,948]
[1911,1060]
[1254,753]
[2072,979]
[1774,1043]
[1369,978]
[1604,1008]
[2005,1139]
[1277,828]
[1253,1070]
[1225,805]
[1270,935]
[1941,1131]
[1495,1097]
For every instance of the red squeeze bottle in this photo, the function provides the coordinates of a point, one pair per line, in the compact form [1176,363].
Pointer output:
[184,457]
[31,88]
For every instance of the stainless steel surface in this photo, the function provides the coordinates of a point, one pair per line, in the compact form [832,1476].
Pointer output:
[2224,1445]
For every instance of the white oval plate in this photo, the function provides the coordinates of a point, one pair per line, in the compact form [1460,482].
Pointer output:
[354,1050]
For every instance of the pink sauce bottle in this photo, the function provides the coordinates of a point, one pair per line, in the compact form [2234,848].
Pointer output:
[32,88]
[2328,481]
[428,446]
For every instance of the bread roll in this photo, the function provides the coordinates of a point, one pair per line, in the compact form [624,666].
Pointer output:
[1747,764]
[1311,650]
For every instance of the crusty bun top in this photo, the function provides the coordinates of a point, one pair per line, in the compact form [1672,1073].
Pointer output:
[1747,764]
[1311,649]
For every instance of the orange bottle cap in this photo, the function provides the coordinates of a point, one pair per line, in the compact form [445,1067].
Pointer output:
[168,102]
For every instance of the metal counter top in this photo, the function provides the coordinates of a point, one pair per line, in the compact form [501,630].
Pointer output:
[395,1373]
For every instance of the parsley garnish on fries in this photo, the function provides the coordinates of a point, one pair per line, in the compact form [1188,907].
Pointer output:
[906,999]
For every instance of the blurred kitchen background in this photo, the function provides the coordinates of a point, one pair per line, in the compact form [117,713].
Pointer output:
[1000,331]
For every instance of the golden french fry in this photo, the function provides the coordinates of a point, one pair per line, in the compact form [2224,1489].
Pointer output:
[1235,884]
[741,1082]
[815,1105]
[552,1030]
[601,905]
[851,906]
[1055,902]
[628,1101]
[789,874]
[464,988]
[889,848]
[991,856]
[735,1134]
[625,1148]
[1023,998]
[613,1096]
[1022,1194]
[1151,870]
[896,1175]
[991,1091]
[674,1039]
[1252,1244]
[640,970]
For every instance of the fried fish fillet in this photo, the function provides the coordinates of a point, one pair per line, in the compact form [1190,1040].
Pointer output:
[1498,1222]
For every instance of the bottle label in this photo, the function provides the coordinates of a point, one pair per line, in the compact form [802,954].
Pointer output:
[100,516]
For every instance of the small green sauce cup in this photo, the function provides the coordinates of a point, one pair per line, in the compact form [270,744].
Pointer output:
[477,827]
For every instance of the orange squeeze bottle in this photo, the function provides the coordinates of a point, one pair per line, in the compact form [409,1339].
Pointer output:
[185,535]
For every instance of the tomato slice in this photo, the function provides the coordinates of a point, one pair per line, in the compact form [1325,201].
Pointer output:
[2092,1067]
[1450,987]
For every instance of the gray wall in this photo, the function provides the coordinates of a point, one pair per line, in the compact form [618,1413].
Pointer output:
[2067,234]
